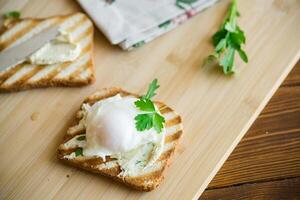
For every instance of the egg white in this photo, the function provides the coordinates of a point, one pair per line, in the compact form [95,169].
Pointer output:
[110,131]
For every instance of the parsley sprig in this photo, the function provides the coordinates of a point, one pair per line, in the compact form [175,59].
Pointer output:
[151,118]
[228,40]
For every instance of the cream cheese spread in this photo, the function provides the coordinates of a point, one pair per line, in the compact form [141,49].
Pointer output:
[61,49]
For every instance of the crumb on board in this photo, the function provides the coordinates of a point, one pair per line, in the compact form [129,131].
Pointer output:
[34,116]
[67,175]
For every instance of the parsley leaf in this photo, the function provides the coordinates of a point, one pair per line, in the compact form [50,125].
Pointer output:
[150,119]
[145,104]
[78,152]
[12,14]
[227,41]
[158,122]
[151,90]
[80,138]
[144,121]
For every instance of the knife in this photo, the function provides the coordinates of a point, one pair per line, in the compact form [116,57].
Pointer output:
[18,54]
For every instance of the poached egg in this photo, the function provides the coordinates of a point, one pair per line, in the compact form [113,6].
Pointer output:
[110,131]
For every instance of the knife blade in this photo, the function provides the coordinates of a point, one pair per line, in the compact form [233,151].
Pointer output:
[17,54]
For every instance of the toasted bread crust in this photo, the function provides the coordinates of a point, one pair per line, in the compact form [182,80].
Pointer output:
[49,80]
[145,182]
[48,83]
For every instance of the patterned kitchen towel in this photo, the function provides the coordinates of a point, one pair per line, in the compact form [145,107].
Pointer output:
[132,23]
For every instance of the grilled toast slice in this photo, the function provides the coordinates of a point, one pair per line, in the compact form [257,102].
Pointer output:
[25,75]
[148,179]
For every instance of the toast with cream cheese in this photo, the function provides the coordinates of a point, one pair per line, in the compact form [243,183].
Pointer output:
[145,180]
[30,74]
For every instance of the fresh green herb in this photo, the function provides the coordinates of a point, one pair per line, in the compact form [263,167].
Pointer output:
[150,119]
[227,41]
[151,90]
[80,138]
[12,14]
[78,152]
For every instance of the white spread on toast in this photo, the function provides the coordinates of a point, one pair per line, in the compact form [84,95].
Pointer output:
[110,131]
[61,49]
[74,142]
[137,160]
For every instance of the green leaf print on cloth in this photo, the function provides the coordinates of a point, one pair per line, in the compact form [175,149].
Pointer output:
[139,44]
[164,24]
[183,3]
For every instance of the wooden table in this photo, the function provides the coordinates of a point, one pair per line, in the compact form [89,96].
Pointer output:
[266,163]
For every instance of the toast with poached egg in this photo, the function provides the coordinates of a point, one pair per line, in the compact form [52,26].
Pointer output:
[135,172]
[46,68]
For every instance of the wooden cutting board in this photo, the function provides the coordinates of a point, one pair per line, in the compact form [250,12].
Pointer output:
[216,110]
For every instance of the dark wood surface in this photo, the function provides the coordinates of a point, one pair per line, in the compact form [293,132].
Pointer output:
[266,163]
[270,190]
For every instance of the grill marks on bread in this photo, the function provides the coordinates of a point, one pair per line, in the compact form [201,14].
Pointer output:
[25,75]
[149,179]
